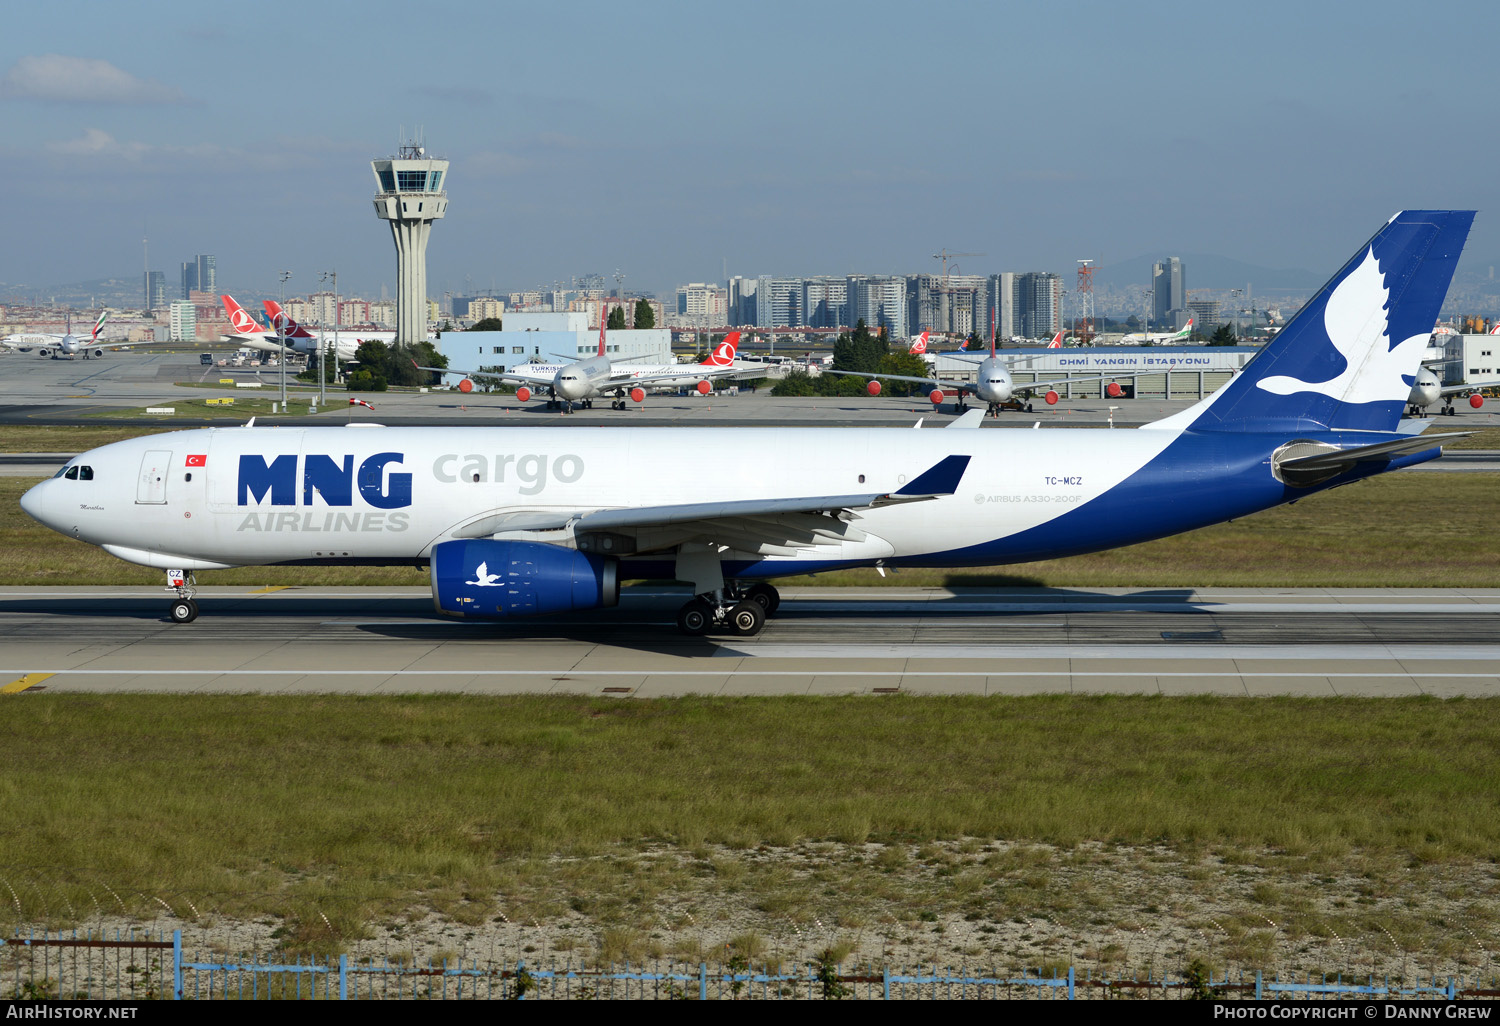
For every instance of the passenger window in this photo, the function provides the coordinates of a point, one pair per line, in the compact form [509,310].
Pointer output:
[188,476]
[85,473]
[72,474]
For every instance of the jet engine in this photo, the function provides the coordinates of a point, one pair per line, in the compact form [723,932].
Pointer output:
[1113,390]
[637,395]
[704,388]
[1051,397]
[523,393]
[488,579]
[1476,400]
[873,388]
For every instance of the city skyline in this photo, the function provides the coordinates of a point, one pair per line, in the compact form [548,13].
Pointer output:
[644,149]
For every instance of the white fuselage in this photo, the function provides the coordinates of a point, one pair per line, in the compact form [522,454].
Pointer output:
[270,495]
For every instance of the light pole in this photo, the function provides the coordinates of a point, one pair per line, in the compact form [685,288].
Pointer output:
[281,336]
[1150,296]
[332,276]
[1234,295]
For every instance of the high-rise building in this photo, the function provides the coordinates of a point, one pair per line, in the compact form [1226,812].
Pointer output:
[825,302]
[410,194]
[702,304]
[879,301]
[156,290]
[200,274]
[742,301]
[1205,315]
[1168,290]
[184,321]
[777,301]
[1004,301]
[1039,304]
[956,304]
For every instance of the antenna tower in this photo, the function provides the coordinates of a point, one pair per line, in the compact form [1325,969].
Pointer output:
[1085,290]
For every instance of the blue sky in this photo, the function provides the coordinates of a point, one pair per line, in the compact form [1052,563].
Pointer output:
[664,139]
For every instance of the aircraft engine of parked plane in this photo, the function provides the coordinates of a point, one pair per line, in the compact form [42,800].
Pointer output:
[519,579]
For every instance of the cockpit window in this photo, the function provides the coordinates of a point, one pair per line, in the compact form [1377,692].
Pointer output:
[72,474]
[60,472]
[85,473]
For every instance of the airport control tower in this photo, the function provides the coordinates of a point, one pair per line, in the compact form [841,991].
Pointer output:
[409,194]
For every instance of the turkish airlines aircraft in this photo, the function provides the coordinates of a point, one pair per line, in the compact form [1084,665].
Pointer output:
[515,521]
[993,382]
[581,381]
[56,346]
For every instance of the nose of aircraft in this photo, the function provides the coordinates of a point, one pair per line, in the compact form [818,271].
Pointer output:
[34,503]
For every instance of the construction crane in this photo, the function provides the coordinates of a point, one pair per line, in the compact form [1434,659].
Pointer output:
[946,289]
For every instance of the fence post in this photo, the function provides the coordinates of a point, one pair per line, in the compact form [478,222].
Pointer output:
[702,981]
[886,983]
[343,977]
[1070,983]
[176,965]
[1257,984]
[1452,990]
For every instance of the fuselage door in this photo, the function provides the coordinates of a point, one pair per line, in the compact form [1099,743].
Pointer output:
[152,487]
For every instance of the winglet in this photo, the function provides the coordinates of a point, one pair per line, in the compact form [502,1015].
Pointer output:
[941,478]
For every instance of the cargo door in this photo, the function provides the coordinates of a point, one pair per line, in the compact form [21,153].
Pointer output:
[152,487]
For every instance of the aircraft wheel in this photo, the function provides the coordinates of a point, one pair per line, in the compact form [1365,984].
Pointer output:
[1028,407]
[696,617]
[184,611]
[746,619]
[768,598]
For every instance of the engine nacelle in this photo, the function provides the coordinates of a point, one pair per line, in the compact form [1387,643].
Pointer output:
[1113,390]
[1476,400]
[936,395]
[637,395]
[1051,397]
[523,393]
[98,353]
[466,386]
[873,388]
[487,579]
[704,388]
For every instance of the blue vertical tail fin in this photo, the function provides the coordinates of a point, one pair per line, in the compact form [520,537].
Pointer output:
[1349,358]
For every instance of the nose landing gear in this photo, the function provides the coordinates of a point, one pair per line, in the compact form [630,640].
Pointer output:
[183,608]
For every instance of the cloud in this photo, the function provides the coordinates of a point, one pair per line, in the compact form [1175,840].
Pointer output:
[98,143]
[60,79]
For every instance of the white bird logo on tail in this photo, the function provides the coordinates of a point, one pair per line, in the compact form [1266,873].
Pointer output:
[1356,323]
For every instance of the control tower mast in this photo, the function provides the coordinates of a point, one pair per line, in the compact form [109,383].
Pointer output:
[409,194]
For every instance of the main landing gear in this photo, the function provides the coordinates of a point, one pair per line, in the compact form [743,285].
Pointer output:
[740,612]
[182,586]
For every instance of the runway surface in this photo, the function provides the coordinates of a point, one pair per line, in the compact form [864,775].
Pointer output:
[825,641]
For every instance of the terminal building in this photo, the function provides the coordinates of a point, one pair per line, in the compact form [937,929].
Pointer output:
[544,337]
[1154,372]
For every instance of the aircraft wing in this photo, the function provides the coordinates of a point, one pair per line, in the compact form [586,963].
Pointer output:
[766,526]
[1023,386]
[962,386]
[1472,387]
[684,372]
[525,379]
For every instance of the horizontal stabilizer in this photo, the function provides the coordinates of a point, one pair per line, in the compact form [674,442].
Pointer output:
[971,419]
[1317,467]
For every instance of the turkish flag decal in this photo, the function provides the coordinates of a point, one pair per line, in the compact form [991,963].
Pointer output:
[198,461]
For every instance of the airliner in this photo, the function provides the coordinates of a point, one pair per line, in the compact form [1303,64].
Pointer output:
[517,521]
[582,381]
[1168,336]
[993,382]
[56,346]
[1428,390]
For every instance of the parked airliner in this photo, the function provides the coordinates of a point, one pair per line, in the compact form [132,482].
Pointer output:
[56,346]
[514,521]
[992,382]
[582,381]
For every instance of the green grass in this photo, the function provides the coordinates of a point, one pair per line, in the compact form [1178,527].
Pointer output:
[1400,530]
[364,808]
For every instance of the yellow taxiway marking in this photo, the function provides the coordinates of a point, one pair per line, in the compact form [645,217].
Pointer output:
[271,588]
[15,687]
